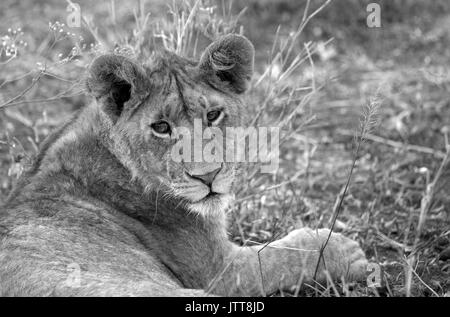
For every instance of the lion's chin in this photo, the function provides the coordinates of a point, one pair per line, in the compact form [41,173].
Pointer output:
[211,205]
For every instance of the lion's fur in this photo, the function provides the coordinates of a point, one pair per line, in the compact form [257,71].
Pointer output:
[82,203]
[98,197]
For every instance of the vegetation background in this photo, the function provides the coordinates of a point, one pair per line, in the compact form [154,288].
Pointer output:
[319,70]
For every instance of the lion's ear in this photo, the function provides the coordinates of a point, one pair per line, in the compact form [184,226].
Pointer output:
[112,79]
[229,60]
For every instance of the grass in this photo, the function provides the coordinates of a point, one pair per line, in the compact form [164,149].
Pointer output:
[314,74]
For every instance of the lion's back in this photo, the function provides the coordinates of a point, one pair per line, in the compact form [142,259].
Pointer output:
[70,234]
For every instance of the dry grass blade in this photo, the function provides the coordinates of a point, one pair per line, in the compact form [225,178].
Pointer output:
[369,120]
[427,200]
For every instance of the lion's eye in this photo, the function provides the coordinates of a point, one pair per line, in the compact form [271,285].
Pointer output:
[214,116]
[161,128]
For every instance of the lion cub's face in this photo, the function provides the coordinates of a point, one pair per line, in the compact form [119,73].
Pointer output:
[168,119]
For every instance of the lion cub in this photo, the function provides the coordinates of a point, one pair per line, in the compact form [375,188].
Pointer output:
[106,211]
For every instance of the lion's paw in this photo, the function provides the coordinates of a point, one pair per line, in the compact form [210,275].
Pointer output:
[343,256]
[347,254]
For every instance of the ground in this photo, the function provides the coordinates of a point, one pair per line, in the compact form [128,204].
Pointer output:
[400,69]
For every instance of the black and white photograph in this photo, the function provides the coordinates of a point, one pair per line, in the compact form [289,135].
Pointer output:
[259,151]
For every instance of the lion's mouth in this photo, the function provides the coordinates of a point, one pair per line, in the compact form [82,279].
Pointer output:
[212,195]
[196,192]
[212,204]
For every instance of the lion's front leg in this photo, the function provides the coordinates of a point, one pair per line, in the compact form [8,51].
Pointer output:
[284,263]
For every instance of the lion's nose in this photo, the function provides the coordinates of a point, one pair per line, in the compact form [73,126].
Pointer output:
[207,178]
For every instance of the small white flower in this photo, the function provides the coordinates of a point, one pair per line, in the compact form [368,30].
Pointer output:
[423,170]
